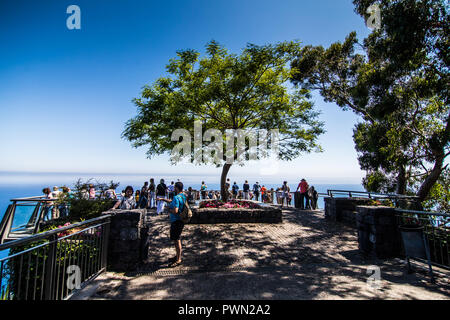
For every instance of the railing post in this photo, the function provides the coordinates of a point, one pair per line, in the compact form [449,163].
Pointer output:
[7,222]
[4,224]
[34,215]
[105,239]
[50,264]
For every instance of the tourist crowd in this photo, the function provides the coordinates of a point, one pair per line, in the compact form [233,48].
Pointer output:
[153,196]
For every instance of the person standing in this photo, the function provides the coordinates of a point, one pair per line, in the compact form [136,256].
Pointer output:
[190,196]
[143,201]
[263,194]
[84,193]
[55,192]
[55,209]
[63,199]
[203,190]
[152,194]
[176,206]
[161,190]
[111,192]
[171,190]
[137,196]
[227,187]
[91,192]
[285,194]
[128,201]
[256,190]
[303,187]
[235,190]
[313,196]
[246,189]
[47,205]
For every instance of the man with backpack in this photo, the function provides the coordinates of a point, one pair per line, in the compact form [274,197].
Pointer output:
[176,207]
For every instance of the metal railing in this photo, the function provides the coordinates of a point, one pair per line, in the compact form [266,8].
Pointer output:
[53,264]
[395,198]
[40,206]
[370,195]
[436,227]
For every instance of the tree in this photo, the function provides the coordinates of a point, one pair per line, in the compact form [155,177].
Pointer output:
[440,194]
[226,91]
[398,83]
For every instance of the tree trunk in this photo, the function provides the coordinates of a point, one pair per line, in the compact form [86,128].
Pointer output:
[223,179]
[431,179]
[401,180]
[440,156]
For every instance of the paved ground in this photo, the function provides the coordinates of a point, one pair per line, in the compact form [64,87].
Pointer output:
[305,257]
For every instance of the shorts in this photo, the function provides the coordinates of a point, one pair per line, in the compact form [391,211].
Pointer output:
[176,228]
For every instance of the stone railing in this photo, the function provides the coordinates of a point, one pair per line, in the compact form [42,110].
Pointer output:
[343,209]
[128,236]
[378,233]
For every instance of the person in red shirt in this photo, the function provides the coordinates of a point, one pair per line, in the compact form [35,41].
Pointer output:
[303,187]
[264,193]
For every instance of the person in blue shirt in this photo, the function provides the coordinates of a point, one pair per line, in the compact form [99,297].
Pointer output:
[176,205]
[256,190]
[235,189]
[246,188]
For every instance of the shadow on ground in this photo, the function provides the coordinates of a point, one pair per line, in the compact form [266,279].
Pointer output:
[305,257]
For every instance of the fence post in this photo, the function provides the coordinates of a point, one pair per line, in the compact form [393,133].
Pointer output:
[105,240]
[50,264]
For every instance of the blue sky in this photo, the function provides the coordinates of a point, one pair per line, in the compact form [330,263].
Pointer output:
[66,94]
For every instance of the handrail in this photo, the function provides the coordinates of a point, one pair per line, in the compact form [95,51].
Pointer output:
[35,199]
[375,194]
[440,214]
[46,234]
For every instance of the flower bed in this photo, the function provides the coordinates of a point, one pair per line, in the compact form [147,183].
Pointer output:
[235,211]
[232,204]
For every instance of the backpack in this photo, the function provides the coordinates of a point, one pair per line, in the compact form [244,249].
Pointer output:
[186,213]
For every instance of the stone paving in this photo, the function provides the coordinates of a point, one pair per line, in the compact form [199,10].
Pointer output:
[304,257]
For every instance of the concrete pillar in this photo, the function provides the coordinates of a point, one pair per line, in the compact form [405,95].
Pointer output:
[378,234]
[128,236]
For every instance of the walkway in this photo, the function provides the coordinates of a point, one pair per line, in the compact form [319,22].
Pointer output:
[305,257]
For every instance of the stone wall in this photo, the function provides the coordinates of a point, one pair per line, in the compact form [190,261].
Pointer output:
[378,233]
[343,209]
[127,245]
[265,214]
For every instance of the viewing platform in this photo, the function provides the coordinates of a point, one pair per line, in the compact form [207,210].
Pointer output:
[305,257]
[350,250]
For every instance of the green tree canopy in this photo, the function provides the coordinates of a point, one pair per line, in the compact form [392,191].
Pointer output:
[397,80]
[227,91]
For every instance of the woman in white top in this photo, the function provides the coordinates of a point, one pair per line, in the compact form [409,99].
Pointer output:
[128,202]
[285,195]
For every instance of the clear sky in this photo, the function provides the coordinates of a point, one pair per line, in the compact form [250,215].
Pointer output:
[66,94]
